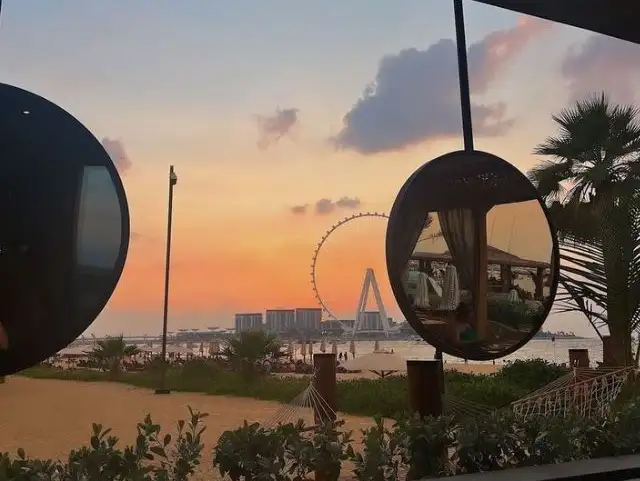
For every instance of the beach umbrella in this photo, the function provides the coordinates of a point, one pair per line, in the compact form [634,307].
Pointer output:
[450,289]
[76,351]
[303,350]
[202,348]
[352,347]
[376,346]
[290,348]
[323,346]
[380,363]
[421,298]
[334,346]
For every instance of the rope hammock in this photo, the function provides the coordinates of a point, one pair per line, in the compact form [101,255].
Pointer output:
[308,406]
[458,407]
[584,391]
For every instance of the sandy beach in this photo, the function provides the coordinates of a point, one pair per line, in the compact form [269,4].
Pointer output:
[460,367]
[48,418]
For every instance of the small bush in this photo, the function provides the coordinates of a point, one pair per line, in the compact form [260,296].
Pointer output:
[530,374]
[153,457]
[286,452]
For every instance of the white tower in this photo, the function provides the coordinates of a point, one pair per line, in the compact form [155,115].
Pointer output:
[371,283]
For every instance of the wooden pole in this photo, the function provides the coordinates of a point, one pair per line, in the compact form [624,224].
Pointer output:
[325,384]
[539,283]
[425,387]
[480,291]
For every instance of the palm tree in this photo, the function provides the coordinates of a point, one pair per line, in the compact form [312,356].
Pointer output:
[110,352]
[592,188]
[248,349]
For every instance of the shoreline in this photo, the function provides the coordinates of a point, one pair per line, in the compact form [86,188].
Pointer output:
[470,368]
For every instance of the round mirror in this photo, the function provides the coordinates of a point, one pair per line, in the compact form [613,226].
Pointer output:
[472,257]
[64,232]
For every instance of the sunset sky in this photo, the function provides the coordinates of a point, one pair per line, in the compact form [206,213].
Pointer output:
[281,118]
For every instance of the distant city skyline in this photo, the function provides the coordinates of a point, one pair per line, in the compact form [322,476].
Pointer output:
[280,121]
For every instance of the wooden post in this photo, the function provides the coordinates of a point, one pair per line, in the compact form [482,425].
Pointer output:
[539,283]
[480,290]
[425,387]
[578,358]
[506,278]
[324,382]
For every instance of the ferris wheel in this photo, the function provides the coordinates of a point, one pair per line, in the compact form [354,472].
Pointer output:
[318,248]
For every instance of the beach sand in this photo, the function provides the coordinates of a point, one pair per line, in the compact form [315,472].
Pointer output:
[460,367]
[48,417]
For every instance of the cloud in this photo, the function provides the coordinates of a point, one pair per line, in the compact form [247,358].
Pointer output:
[327,206]
[324,206]
[299,209]
[348,202]
[602,64]
[415,95]
[272,128]
[115,149]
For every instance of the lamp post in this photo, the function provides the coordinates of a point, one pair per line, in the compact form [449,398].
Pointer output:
[173,180]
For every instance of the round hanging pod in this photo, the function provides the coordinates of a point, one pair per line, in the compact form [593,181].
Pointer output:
[64,228]
[472,256]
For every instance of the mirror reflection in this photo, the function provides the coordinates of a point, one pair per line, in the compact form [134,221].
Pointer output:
[479,281]
[98,239]
[64,234]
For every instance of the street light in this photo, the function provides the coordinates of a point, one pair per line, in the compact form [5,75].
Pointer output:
[173,180]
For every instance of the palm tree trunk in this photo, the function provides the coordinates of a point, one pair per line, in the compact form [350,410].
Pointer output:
[620,347]
[616,266]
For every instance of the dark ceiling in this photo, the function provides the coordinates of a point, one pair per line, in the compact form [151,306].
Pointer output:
[616,18]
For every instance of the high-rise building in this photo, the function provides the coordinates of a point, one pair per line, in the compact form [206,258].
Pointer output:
[308,318]
[371,321]
[348,323]
[280,320]
[248,321]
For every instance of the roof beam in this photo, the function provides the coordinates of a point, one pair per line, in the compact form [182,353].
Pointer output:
[615,18]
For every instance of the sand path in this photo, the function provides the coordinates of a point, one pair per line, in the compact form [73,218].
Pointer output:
[48,417]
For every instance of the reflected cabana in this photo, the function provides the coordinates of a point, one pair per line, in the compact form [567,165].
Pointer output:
[504,261]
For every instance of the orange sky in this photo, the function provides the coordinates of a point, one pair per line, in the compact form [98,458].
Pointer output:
[186,86]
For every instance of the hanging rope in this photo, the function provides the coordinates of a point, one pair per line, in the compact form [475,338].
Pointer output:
[308,406]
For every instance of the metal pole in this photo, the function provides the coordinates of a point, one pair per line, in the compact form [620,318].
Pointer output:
[163,389]
[463,76]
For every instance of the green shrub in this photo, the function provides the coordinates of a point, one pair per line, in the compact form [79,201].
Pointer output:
[414,448]
[368,397]
[515,315]
[153,457]
[411,449]
[288,452]
[530,374]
